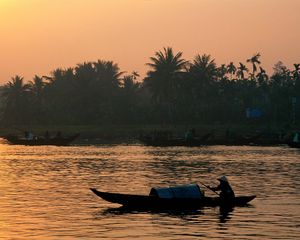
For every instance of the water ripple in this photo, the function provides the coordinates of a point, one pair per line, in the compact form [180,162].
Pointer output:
[44,192]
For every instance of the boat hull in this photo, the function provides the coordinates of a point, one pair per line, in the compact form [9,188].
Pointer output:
[57,141]
[294,144]
[154,202]
[162,142]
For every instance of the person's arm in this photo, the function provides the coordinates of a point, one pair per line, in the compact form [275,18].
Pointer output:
[215,188]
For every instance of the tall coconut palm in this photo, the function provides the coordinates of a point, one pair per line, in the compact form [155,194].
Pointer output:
[103,92]
[36,86]
[204,67]
[84,74]
[15,95]
[164,80]
[203,71]
[15,89]
[107,73]
[166,68]
[254,60]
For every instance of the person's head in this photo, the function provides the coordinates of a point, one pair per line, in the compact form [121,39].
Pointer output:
[223,179]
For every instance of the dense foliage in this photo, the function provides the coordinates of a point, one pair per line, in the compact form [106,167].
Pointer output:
[174,91]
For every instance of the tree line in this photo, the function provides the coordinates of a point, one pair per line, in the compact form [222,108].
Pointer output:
[174,91]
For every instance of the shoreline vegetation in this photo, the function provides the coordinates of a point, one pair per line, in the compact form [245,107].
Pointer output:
[129,134]
[98,100]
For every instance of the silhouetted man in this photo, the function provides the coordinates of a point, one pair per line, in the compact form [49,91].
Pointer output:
[226,192]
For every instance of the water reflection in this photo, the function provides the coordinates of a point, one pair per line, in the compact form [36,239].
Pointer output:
[224,214]
[184,214]
[44,191]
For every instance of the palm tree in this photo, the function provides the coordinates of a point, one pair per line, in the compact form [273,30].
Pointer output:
[15,89]
[203,66]
[166,68]
[240,71]
[36,86]
[262,77]
[296,72]
[135,75]
[203,71]
[231,69]
[164,80]
[107,73]
[58,94]
[296,79]
[84,74]
[221,72]
[254,60]
[15,95]
[204,74]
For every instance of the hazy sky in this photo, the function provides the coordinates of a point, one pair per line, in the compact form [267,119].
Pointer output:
[37,36]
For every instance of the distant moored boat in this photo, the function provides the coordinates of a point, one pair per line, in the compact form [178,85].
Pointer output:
[294,144]
[38,141]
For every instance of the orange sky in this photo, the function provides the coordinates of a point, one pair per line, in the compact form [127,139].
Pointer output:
[37,36]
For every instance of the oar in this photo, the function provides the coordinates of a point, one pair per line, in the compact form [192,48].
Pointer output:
[209,188]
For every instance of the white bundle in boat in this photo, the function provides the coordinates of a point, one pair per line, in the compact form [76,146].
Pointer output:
[184,191]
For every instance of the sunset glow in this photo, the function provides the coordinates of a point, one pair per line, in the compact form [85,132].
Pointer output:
[38,36]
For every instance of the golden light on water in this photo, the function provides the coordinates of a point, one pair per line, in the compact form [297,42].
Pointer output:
[44,191]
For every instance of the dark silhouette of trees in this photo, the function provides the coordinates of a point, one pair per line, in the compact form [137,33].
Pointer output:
[174,91]
[129,104]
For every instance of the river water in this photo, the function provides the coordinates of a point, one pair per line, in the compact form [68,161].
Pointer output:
[44,191]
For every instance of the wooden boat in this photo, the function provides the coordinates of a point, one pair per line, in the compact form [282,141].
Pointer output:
[38,141]
[154,202]
[294,144]
[157,142]
[167,140]
[172,142]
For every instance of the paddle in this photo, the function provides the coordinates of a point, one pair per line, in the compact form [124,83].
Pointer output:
[209,188]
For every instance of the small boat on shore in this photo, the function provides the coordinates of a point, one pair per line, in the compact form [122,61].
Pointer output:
[166,139]
[39,141]
[172,142]
[187,198]
[195,142]
[294,144]
[295,141]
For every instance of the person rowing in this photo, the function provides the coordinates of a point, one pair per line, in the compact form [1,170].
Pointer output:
[226,192]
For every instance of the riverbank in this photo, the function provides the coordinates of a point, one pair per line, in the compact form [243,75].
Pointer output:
[129,133]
